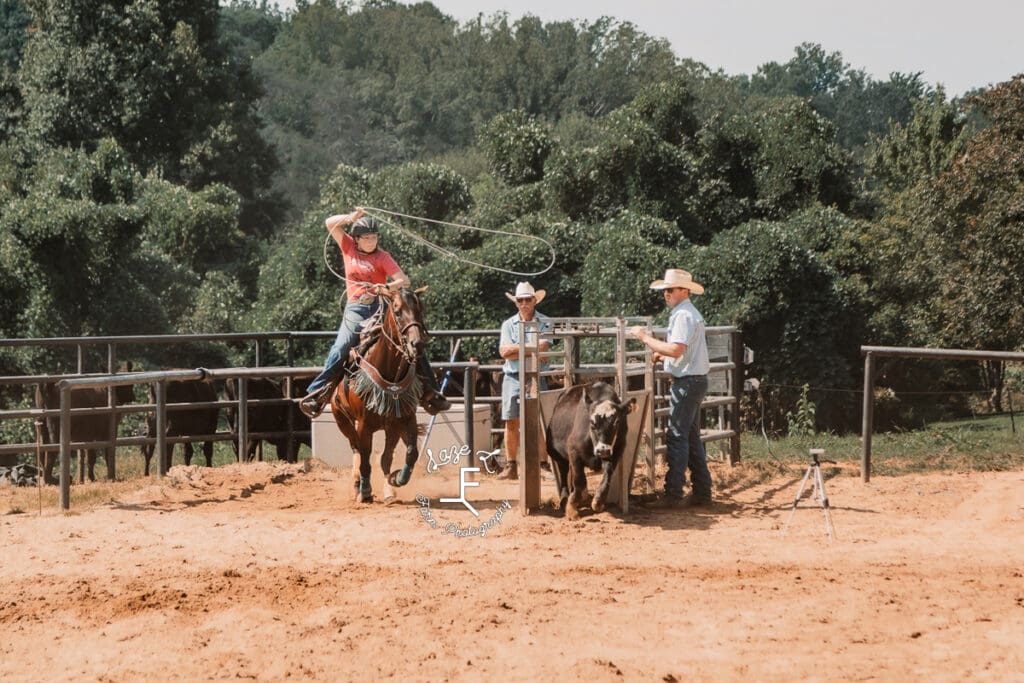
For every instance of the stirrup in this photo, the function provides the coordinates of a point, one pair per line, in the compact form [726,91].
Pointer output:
[313,403]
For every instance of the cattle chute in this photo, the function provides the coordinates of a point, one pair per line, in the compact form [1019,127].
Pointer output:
[537,405]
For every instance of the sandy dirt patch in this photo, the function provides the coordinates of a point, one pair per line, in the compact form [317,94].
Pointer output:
[270,572]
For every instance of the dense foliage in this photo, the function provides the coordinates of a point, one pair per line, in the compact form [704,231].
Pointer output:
[168,167]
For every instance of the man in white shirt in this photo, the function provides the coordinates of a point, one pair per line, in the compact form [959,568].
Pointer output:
[685,356]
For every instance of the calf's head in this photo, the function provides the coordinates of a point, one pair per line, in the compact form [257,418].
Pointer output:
[607,418]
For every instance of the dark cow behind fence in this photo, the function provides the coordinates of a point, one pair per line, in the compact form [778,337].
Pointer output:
[84,428]
[273,418]
[588,422]
[187,422]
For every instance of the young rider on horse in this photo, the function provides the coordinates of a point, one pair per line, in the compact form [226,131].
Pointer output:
[367,268]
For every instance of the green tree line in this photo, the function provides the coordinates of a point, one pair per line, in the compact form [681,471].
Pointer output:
[167,167]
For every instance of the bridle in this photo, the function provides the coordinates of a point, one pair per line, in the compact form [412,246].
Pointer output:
[414,323]
[402,344]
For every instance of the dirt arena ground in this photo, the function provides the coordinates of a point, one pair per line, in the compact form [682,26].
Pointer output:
[270,572]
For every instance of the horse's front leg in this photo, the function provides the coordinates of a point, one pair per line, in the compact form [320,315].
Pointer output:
[390,440]
[364,491]
[412,453]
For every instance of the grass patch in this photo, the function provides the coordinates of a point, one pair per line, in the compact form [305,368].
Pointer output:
[984,443]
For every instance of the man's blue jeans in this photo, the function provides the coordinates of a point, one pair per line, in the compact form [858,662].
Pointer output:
[348,334]
[685,449]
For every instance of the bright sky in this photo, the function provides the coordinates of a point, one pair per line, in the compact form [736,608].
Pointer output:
[961,44]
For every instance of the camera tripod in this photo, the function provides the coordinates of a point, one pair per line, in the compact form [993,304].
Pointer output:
[818,491]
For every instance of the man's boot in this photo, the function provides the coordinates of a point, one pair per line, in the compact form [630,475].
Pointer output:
[511,471]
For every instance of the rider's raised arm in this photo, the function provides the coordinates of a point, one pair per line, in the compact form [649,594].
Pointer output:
[336,226]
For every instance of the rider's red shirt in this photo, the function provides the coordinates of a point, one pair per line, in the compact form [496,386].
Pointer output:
[360,267]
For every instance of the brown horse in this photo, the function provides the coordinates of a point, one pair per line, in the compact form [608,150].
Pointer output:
[384,391]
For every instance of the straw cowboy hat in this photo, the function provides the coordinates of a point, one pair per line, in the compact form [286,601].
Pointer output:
[678,278]
[524,290]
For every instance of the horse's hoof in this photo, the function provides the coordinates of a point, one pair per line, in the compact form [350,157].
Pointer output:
[598,505]
[389,500]
[572,513]
[364,490]
[400,477]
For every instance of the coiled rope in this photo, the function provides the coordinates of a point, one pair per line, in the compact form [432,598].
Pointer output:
[380,214]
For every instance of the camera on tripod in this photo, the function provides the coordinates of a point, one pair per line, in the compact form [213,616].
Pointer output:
[818,490]
[815,452]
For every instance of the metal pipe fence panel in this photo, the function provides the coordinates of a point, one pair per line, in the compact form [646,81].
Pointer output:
[586,328]
[873,352]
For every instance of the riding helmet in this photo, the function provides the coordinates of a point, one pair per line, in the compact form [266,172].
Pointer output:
[366,225]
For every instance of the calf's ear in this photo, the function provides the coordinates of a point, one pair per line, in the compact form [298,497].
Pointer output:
[629,406]
[421,290]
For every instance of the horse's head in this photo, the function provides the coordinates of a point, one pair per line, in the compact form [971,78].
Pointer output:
[409,315]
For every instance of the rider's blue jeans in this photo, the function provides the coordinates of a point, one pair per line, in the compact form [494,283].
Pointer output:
[348,334]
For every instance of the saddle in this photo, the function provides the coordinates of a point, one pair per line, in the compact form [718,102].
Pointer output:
[369,334]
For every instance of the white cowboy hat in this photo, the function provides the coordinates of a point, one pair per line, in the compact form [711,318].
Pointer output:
[678,278]
[524,290]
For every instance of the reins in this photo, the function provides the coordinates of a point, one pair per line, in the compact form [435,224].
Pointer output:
[384,395]
[388,309]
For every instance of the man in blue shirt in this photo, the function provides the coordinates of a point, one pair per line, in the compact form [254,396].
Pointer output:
[526,300]
[685,356]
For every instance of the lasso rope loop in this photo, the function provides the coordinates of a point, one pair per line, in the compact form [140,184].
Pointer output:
[378,214]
